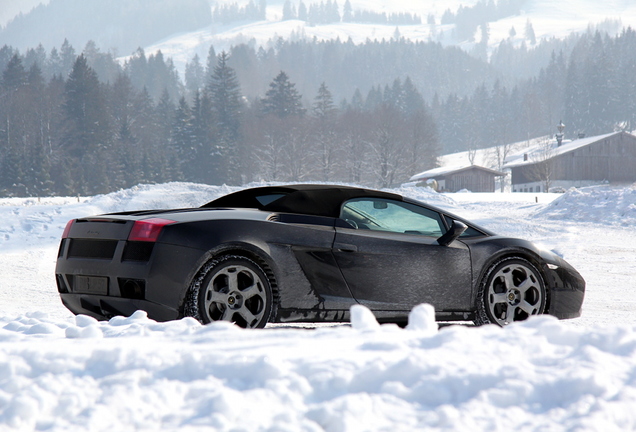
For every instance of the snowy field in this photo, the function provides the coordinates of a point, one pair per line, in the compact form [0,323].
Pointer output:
[64,373]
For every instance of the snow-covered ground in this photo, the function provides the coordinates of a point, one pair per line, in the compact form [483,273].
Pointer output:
[62,373]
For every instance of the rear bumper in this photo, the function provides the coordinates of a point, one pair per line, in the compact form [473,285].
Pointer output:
[103,288]
[105,307]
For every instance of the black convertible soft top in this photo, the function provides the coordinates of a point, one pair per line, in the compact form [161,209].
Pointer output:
[308,199]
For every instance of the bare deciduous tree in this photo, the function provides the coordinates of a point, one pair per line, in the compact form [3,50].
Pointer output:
[542,168]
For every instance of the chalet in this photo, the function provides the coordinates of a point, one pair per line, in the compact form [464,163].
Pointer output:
[609,158]
[452,179]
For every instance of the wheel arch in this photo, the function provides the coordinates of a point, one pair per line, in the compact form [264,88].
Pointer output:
[527,254]
[245,250]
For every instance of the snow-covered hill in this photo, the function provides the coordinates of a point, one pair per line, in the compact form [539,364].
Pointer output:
[549,18]
[59,372]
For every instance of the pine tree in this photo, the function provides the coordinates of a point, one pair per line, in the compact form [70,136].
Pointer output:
[357,102]
[151,145]
[14,76]
[347,12]
[165,120]
[14,117]
[126,155]
[35,56]
[205,154]
[181,139]
[53,65]
[530,33]
[67,57]
[282,99]
[194,76]
[210,62]
[225,95]
[323,107]
[87,126]
[412,98]
[6,53]
[288,11]
[324,112]
[302,11]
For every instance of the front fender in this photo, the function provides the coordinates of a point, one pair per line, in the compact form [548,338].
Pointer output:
[565,287]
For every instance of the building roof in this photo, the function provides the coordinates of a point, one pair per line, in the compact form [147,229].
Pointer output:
[532,155]
[448,170]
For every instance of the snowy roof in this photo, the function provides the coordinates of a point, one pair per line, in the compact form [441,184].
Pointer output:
[446,170]
[532,154]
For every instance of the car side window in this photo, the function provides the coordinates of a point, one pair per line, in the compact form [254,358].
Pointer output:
[379,214]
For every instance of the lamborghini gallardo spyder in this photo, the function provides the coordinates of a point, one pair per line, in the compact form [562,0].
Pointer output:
[307,253]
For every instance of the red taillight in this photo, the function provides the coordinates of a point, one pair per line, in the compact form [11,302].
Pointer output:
[67,229]
[148,230]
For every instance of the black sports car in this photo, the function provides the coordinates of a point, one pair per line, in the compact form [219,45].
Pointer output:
[307,253]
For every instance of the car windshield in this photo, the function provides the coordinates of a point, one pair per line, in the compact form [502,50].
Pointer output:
[393,216]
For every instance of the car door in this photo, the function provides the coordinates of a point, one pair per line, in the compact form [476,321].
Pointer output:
[390,258]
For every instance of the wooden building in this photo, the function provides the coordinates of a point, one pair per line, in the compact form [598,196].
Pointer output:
[609,158]
[452,179]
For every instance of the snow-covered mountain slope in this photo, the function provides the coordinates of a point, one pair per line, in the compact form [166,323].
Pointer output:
[59,372]
[549,18]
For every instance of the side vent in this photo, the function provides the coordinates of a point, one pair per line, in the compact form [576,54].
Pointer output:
[60,251]
[61,284]
[273,217]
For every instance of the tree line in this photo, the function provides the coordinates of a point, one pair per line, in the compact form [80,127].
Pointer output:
[81,135]
[591,88]
[328,12]
[297,111]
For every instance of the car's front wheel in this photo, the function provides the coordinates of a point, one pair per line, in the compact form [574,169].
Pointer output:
[231,288]
[511,290]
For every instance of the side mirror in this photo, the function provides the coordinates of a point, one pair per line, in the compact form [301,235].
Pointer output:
[456,229]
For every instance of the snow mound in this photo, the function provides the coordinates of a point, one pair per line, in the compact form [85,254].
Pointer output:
[426,195]
[136,374]
[362,318]
[422,318]
[161,196]
[598,204]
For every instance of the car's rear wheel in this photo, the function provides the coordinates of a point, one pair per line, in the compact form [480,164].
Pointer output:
[231,288]
[511,290]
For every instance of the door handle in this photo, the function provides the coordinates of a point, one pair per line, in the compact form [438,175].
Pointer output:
[345,247]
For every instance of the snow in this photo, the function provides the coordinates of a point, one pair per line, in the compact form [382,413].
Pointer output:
[549,18]
[59,372]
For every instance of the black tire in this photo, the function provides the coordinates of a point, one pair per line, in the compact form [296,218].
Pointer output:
[231,288]
[511,290]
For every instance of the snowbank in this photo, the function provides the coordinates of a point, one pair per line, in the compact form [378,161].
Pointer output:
[136,374]
[598,204]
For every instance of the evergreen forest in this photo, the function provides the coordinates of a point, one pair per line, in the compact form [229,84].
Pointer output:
[83,122]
